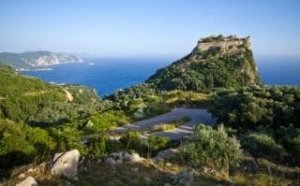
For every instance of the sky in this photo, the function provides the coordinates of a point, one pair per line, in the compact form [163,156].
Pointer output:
[116,28]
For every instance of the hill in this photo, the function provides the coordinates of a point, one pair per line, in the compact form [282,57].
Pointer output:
[216,61]
[35,102]
[36,59]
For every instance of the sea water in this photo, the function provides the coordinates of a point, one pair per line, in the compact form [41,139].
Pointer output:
[107,75]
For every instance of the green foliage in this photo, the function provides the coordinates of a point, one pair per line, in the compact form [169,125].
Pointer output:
[260,144]
[132,140]
[83,95]
[139,101]
[289,137]
[213,149]
[97,146]
[156,143]
[21,144]
[37,103]
[276,110]
[67,137]
[177,98]
[255,106]
[106,120]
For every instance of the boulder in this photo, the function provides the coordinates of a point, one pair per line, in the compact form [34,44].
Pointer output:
[110,161]
[29,181]
[22,176]
[65,164]
[120,157]
[167,154]
[184,178]
[136,158]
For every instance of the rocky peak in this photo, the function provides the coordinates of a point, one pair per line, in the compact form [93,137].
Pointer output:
[216,61]
[223,44]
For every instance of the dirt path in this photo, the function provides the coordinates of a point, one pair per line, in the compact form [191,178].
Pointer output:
[68,95]
[196,115]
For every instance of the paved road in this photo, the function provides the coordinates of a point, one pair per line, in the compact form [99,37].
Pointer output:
[196,115]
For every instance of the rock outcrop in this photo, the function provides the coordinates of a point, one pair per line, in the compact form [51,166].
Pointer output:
[29,181]
[167,154]
[223,45]
[66,164]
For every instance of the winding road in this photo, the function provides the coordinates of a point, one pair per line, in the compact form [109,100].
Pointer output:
[196,116]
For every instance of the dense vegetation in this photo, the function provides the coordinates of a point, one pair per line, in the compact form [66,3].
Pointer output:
[266,119]
[37,119]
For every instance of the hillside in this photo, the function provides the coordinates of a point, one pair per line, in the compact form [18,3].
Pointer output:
[216,61]
[36,59]
[31,100]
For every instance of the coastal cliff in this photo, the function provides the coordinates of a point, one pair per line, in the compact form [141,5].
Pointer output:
[216,61]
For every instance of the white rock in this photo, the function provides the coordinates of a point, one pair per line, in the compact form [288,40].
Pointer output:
[29,181]
[22,176]
[168,164]
[65,164]
[136,157]
[30,170]
[121,157]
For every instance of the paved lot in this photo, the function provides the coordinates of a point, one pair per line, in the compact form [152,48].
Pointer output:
[196,115]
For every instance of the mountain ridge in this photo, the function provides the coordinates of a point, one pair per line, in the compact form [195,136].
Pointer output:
[36,60]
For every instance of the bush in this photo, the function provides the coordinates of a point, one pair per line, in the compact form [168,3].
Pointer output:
[67,137]
[20,144]
[260,144]
[106,120]
[289,137]
[132,140]
[97,146]
[213,149]
[157,143]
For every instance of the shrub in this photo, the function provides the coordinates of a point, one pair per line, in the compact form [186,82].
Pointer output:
[260,144]
[106,120]
[97,146]
[131,140]
[20,144]
[213,149]
[67,137]
[289,137]
[157,143]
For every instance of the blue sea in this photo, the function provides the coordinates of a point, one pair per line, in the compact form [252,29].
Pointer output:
[107,75]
